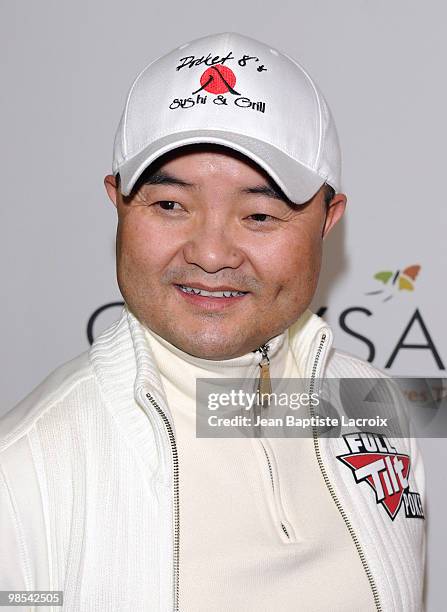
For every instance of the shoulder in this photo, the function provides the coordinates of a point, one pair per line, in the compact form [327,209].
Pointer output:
[64,385]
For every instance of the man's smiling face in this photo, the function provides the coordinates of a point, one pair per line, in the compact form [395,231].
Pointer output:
[206,218]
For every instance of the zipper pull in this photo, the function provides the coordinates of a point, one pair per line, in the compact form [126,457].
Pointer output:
[265,383]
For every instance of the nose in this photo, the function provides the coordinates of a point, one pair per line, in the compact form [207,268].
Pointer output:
[213,246]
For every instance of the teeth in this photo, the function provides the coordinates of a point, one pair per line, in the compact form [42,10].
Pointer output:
[219,294]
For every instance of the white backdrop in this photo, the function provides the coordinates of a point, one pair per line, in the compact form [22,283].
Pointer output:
[66,70]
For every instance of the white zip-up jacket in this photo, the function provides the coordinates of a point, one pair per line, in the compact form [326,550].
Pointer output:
[89,500]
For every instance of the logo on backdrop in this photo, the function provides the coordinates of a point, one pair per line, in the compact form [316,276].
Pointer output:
[374,460]
[396,282]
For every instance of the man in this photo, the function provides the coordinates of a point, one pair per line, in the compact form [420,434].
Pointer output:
[226,180]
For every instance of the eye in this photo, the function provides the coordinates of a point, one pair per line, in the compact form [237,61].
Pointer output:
[168,205]
[261,217]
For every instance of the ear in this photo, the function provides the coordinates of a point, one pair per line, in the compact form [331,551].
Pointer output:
[334,212]
[110,183]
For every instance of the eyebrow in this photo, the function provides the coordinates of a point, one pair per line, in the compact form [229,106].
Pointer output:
[163,178]
[268,191]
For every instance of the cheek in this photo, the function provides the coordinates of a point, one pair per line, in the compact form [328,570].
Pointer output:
[140,257]
[139,248]
[290,263]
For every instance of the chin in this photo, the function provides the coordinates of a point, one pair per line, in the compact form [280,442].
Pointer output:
[208,345]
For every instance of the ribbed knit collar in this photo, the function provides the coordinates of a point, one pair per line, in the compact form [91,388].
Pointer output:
[126,371]
[182,369]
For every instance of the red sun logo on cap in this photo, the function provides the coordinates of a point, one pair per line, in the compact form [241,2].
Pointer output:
[218,79]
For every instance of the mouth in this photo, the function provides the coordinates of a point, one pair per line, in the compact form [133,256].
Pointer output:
[211,299]
[219,292]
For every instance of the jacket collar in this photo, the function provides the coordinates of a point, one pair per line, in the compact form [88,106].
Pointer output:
[305,336]
[126,370]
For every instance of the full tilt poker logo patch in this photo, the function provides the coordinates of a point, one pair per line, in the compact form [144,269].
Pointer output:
[374,460]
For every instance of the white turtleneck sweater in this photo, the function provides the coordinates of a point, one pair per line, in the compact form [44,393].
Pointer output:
[258,528]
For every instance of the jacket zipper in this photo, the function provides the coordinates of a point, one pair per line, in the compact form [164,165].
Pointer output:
[265,387]
[272,480]
[330,488]
[176,517]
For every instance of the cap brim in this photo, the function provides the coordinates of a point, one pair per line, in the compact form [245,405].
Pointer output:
[297,181]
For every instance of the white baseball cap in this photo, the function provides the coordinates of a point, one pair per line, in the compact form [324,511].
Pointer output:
[234,91]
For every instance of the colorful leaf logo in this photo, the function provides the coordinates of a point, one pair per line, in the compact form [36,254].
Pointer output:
[402,280]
